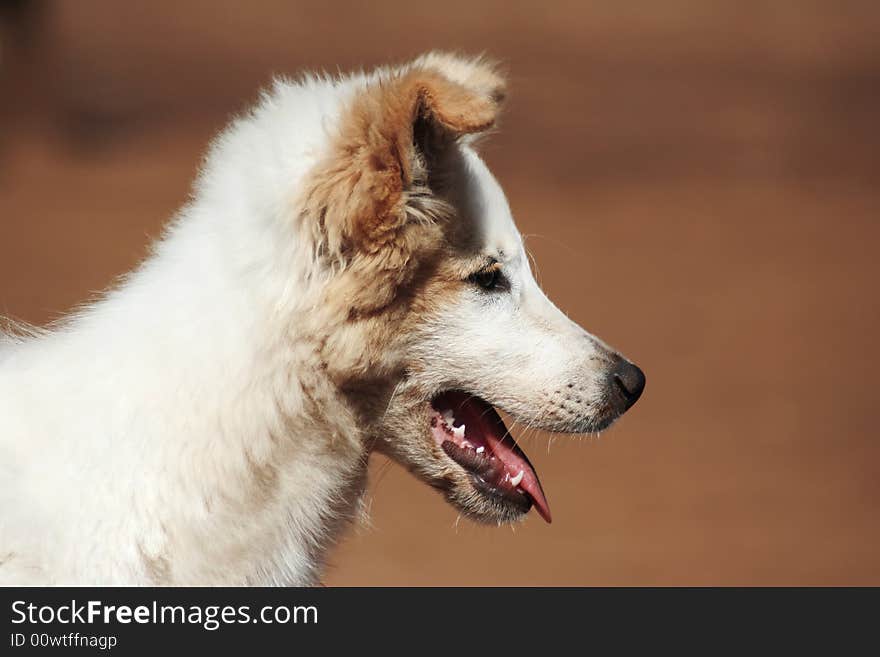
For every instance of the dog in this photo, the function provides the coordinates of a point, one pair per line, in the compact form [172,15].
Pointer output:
[347,279]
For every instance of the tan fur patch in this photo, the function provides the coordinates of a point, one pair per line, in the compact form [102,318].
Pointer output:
[371,199]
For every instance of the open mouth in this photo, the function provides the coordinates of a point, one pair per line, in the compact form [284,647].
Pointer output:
[473,435]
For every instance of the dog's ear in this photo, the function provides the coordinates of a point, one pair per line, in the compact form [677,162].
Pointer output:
[475,73]
[370,202]
[391,135]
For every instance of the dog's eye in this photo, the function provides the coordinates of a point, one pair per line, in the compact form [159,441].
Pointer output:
[489,279]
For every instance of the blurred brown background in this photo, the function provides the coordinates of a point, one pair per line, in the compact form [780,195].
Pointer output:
[699,183]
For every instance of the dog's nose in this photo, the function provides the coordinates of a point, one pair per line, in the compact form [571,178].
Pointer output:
[629,382]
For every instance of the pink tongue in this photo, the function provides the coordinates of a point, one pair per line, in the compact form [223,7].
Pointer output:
[515,462]
[474,411]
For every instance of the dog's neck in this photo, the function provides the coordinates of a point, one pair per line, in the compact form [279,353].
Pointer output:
[267,460]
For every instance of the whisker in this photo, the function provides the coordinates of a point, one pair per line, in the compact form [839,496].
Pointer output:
[556,242]
[391,399]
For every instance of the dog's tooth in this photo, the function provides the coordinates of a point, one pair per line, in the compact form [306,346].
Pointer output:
[518,478]
[481,449]
[448,417]
[458,432]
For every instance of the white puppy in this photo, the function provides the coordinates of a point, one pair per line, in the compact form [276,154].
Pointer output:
[347,278]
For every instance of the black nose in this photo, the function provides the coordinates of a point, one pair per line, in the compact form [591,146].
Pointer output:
[628,382]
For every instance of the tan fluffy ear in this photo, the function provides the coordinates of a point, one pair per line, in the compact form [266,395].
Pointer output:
[368,202]
[455,107]
[476,73]
[365,190]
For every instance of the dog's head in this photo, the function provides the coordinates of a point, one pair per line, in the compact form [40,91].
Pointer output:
[438,318]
